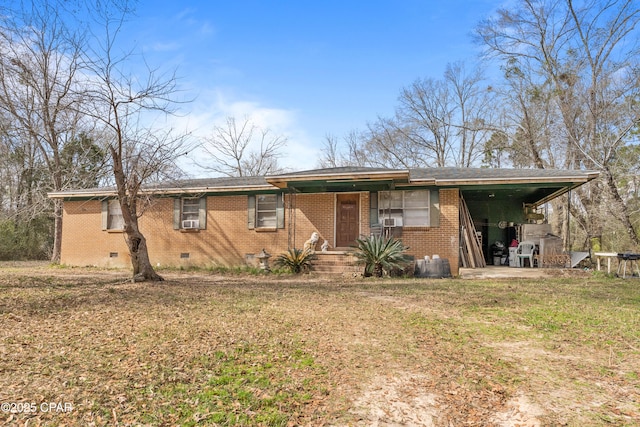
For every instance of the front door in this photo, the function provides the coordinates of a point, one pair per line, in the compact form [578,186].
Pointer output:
[347,219]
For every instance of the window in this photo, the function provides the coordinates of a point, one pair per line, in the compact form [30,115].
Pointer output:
[265,211]
[404,208]
[416,207]
[115,221]
[190,213]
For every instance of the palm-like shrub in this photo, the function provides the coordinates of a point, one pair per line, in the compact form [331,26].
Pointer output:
[295,260]
[379,253]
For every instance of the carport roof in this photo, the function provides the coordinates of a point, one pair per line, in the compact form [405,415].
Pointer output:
[435,176]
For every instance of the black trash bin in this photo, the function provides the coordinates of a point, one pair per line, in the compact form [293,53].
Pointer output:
[497,252]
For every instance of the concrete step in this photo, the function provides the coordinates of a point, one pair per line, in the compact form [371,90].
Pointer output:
[336,262]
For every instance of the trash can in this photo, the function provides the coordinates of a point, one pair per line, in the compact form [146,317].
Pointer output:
[497,252]
[437,268]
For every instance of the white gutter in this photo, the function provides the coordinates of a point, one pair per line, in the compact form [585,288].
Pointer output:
[185,190]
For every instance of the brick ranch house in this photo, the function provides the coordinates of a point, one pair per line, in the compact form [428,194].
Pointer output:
[226,221]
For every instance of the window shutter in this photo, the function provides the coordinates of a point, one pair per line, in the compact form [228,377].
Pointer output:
[280,210]
[251,212]
[202,213]
[373,208]
[105,214]
[434,208]
[177,204]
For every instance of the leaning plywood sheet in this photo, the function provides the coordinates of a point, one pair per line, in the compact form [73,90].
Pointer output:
[576,257]
[470,247]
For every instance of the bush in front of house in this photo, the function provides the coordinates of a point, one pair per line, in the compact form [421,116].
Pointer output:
[295,260]
[379,254]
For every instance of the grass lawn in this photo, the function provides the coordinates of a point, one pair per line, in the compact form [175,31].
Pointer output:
[85,347]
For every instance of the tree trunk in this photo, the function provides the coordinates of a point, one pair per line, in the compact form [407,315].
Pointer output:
[621,207]
[142,269]
[377,270]
[57,231]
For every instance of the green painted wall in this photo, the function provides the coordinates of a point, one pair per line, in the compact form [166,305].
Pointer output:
[487,214]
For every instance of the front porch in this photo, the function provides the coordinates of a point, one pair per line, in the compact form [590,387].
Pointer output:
[343,262]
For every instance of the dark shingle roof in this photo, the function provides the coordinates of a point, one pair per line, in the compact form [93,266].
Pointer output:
[436,176]
[449,173]
[217,182]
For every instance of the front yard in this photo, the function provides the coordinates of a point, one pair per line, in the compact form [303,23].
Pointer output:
[86,347]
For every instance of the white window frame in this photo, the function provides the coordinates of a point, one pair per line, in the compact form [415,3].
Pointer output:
[190,210]
[115,220]
[190,213]
[266,217]
[397,204]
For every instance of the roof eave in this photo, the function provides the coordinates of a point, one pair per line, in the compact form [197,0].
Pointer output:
[226,189]
[519,180]
[164,191]
[282,181]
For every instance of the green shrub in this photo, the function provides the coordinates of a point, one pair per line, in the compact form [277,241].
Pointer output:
[380,253]
[25,240]
[295,260]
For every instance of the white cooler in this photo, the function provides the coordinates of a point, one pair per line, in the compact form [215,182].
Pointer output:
[513,257]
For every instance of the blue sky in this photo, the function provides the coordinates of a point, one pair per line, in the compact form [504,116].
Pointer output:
[303,69]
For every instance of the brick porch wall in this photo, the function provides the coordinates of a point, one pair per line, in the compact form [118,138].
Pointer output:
[442,240]
[227,240]
[314,212]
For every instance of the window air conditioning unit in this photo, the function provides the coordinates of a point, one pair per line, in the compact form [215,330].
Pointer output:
[190,223]
[392,222]
[389,222]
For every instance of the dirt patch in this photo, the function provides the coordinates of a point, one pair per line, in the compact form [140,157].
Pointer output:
[398,400]
[520,412]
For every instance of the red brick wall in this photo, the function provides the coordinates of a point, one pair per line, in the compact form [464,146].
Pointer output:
[227,240]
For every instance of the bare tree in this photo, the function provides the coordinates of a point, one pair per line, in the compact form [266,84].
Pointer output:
[126,105]
[39,65]
[330,153]
[389,143]
[474,115]
[529,129]
[243,149]
[585,58]
[352,152]
[425,118]
[437,123]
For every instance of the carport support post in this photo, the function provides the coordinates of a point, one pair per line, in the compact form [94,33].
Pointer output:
[291,220]
[568,248]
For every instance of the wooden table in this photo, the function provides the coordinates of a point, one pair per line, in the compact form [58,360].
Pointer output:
[608,256]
